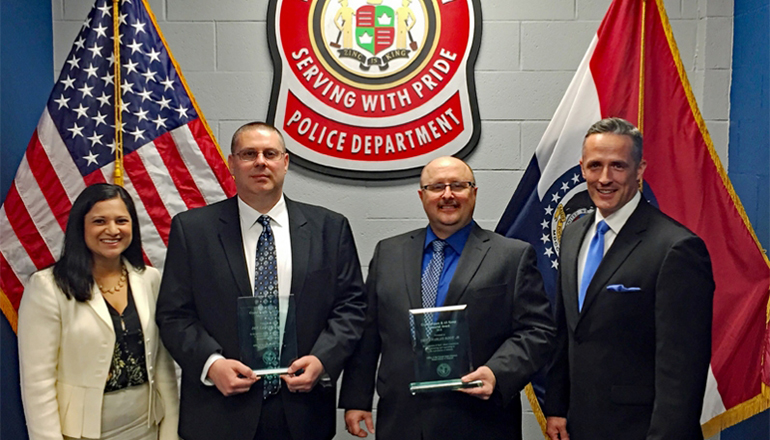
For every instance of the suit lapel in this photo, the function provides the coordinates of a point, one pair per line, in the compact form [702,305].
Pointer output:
[99,305]
[412,264]
[629,237]
[570,251]
[300,247]
[232,243]
[475,250]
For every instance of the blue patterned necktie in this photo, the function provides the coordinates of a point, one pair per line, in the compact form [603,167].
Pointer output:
[266,290]
[593,258]
[432,274]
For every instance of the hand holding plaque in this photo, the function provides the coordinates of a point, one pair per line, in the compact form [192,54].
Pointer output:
[442,352]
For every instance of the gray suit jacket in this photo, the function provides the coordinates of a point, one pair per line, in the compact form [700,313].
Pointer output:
[511,332]
[633,363]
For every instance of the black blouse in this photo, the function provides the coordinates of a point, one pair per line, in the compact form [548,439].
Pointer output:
[129,367]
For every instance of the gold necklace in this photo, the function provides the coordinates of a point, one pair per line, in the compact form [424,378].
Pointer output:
[116,288]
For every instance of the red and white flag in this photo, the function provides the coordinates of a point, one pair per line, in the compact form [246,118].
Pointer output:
[633,70]
[171,160]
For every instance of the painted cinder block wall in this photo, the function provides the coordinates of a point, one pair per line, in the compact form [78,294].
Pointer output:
[529,52]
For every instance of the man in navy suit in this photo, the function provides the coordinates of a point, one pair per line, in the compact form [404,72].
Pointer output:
[633,308]
[211,260]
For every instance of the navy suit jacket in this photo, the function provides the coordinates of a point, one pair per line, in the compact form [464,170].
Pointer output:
[205,273]
[633,363]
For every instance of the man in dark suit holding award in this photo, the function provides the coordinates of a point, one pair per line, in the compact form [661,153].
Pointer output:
[508,316]
[300,262]
[633,308]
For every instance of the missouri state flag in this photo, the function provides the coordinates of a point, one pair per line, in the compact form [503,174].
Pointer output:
[632,70]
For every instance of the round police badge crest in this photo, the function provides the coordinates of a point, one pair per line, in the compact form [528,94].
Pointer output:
[443,370]
[374,89]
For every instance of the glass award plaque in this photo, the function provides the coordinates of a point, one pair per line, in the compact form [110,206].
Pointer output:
[442,351]
[258,351]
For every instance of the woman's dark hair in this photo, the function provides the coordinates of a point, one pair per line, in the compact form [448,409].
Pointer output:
[73,273]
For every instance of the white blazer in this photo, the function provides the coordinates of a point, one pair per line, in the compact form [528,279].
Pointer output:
[65,352]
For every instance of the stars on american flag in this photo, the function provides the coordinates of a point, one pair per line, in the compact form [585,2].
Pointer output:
[81,111]
[171,161]
[76,131]
[153,100]
[154,56]
[62,101]
[96,51]
[68,83]
[138,27]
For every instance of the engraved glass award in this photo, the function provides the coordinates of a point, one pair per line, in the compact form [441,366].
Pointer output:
[442,351]
[260,349]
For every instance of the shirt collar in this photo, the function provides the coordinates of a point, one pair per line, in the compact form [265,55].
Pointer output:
[277,213]
[618,219]
[456,241]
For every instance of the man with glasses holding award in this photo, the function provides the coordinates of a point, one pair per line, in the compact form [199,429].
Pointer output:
[460,318]
[261,304]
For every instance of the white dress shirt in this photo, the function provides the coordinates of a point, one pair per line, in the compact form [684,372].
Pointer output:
[615,221]
[250,232]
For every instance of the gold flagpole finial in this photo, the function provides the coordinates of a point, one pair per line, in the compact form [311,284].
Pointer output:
[118,174]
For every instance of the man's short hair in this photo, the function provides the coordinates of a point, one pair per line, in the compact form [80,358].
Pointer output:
[620,127]
[256,125]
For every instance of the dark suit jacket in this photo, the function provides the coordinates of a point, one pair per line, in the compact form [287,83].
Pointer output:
[633,365]
[206,272]
[511,332]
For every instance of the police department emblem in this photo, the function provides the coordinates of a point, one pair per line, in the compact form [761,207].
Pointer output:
[374,89]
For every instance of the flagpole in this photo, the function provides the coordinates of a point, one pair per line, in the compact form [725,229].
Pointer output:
[640,115]
[118,174]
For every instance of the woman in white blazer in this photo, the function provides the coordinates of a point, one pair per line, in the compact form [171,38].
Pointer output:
[92,364]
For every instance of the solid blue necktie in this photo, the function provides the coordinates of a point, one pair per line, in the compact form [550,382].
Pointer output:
[432,274]
[266,290]
[594,257]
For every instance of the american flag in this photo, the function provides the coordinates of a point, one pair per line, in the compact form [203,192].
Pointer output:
[171,160]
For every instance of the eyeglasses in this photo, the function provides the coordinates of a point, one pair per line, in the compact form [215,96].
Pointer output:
[455,187]
[270,155]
